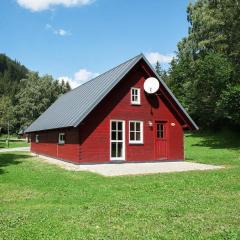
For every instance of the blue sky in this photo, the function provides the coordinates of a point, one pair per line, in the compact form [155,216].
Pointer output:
[77,39]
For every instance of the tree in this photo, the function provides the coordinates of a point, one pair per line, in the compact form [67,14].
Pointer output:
[29,93]
[229,104]
[210,76]
[6,113]
[158,68]
[67,87]
[11,72]
[214,26]
[162,73]
[207,63]
[64,86]
[35,96]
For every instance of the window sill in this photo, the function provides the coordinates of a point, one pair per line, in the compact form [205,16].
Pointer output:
[117,159]
[136,143]
[136,104]
[61,143]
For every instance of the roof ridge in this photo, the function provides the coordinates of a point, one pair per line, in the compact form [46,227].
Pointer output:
[105,73]
[135,60]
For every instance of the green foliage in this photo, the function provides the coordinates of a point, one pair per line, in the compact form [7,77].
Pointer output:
[162,73]
[6,112]
[64,87]
[207,64]
[210,75]
[229,103]
[42,201]
[11,72]
[215,27]
[35,96]
[24,95]
[180,73]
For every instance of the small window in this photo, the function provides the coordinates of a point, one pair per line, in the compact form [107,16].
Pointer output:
[135,96]
[136,132]
[160,130]
[37,138]
[61,138]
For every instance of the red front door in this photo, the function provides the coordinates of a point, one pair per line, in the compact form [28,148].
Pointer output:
[160,140]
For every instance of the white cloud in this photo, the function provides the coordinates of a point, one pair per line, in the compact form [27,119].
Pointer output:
[61,32]
[83,75]
[79,78]
[40,5]
[48,26]
[153,57]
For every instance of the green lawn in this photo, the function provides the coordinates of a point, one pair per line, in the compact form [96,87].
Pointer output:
[13,144]
[41,201]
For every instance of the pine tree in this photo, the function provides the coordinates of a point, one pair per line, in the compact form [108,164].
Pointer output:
[162,73]
[158,68]
[68,87]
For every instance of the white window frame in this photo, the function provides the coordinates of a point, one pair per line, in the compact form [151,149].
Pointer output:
[37,138]
[138,95]
[59,138]
[123,158]
[141,132]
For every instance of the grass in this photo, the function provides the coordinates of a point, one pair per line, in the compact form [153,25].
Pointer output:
[13,143]
[42,201]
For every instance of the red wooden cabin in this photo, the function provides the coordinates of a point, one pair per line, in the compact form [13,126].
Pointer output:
[111,118]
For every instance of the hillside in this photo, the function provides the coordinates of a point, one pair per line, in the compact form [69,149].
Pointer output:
[11,72]
[24,95]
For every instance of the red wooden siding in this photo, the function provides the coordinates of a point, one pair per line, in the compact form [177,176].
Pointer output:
[48,144]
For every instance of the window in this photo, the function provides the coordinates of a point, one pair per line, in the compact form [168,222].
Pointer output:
[37,138]
[135,96]
[61,138]
[117,140]
[160,130]
[135,132]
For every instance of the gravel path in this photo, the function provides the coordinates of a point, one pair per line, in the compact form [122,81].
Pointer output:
[116,169]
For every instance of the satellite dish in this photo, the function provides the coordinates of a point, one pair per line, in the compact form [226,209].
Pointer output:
[151,85]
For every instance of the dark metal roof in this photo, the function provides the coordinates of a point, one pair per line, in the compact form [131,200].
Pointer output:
[70,109]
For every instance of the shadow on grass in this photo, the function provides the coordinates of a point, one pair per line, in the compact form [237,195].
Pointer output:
[218,140]
[2,144]
[7,159]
